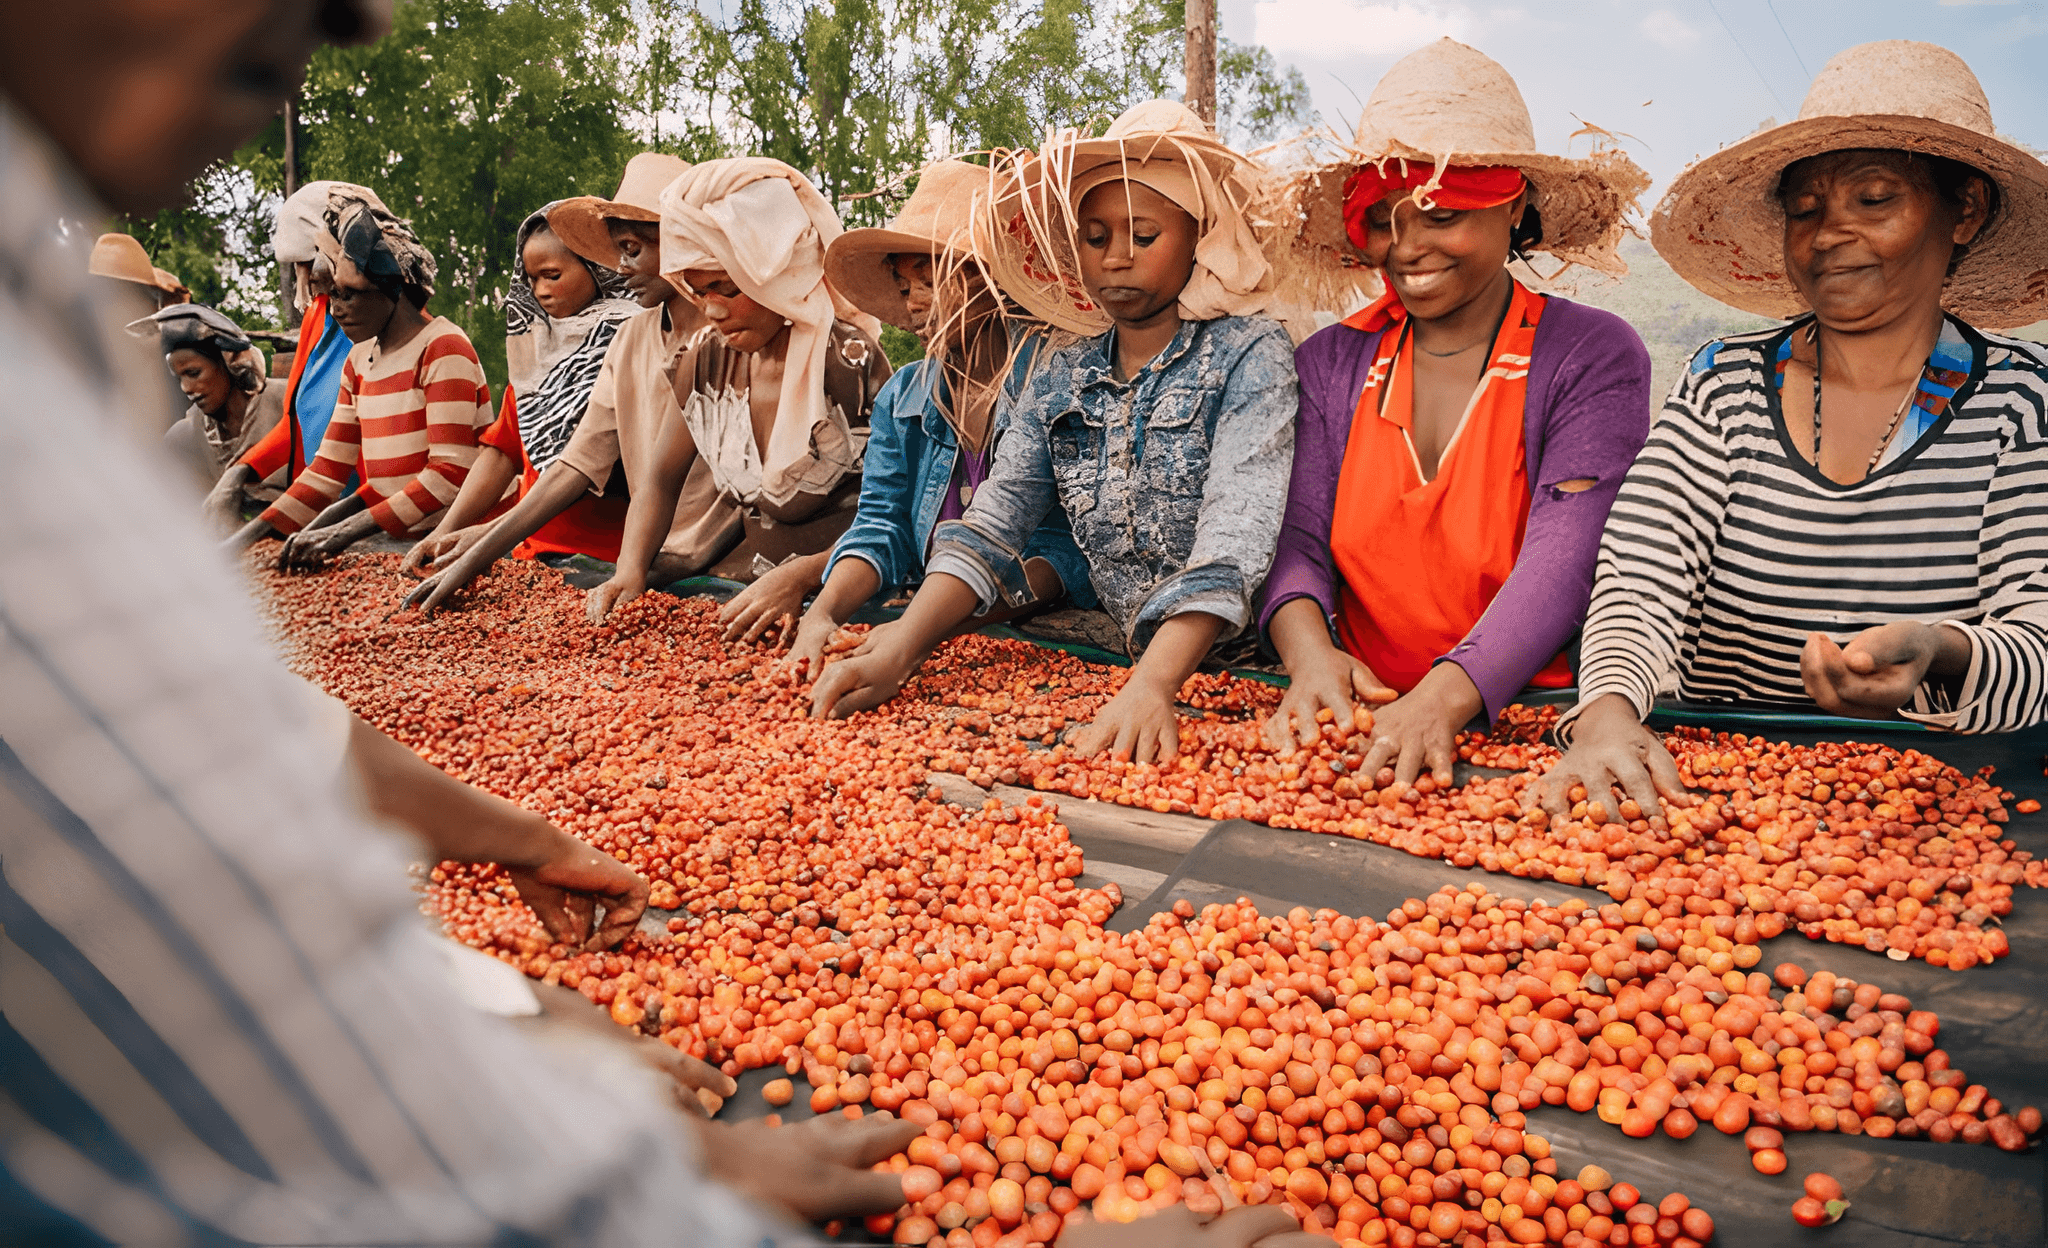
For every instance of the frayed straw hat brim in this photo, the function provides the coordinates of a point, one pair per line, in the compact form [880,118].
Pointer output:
[857,266]
[1720,226]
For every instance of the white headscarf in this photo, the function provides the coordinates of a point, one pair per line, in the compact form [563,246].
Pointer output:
[766,227]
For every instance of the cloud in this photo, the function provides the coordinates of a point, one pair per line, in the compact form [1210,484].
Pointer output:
[1323,29]
[1666,29]
[1971,4]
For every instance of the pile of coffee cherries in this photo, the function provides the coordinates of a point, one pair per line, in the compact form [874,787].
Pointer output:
[834,917]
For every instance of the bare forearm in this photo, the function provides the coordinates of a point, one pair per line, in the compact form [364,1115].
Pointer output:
[481,490]
[853,582]
[1299,632]
[1176,650]
[348,505]
[653,509]
[550,496]
[457,821]
[942,604]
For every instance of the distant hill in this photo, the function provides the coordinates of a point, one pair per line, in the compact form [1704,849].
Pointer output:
[1673,318]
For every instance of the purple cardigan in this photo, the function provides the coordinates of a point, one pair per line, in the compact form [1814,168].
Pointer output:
[1588,415]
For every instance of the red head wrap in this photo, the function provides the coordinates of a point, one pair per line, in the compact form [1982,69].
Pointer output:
[1462,188]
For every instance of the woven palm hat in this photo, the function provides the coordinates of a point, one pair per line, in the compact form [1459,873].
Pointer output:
[580,222]
[1450,104]
[937,220]
[1721,228]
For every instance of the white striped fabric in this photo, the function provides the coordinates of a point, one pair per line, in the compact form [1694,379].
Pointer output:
[1726,548]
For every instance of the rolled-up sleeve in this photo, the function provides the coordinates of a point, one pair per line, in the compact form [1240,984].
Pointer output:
[1250,458]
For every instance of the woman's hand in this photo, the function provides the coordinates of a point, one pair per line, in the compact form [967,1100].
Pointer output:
[439,548]
[1881,668]
[1611,747]
[615,593]
[818,1169]
[310,550]
[870,675]
[773,601]
[1324,678]
[568,881]
[1420,728]
[1137,725]
[807,653]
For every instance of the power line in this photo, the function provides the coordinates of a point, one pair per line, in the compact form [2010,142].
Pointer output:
[1716,10]
[1773,7]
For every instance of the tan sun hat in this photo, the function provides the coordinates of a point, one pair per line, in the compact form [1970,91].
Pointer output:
[1450,104]
[580,222]
[937,220]
[1026,234]
[1720,226]
[121,256]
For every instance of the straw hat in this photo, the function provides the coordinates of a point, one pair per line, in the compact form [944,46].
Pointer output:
[580,222]
[1449,104]
[937,220]
[1721,228]
[1026,235]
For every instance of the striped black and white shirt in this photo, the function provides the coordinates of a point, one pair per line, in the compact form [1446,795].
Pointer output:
[222,1018]
[1726,547]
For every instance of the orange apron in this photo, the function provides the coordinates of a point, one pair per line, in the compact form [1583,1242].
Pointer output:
[1419,561]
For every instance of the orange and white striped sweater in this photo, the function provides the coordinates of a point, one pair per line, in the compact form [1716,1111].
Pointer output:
[407,423]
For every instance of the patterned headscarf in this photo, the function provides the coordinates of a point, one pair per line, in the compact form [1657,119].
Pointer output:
[553,362]
[196,327]
[376,247]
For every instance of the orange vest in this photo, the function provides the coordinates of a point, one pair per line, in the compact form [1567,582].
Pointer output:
[1419,561]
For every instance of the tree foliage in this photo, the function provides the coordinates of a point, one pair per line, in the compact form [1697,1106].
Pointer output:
[473,113]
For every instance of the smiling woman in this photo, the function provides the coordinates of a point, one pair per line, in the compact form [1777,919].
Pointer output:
[1847,510]
[1460,440]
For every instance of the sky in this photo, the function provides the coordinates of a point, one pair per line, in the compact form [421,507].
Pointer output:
[1681,78]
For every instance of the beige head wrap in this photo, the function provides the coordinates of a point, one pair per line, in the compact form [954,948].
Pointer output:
[765,226]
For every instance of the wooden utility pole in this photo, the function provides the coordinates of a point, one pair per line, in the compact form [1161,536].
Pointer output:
[287,279]
[1201,59]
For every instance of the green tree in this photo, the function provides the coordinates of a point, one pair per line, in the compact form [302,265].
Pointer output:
[469,116]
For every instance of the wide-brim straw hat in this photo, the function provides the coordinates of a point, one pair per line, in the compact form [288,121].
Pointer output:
[1025,233]
[1721,228]
[580,222]
[937,221]
[1449,104]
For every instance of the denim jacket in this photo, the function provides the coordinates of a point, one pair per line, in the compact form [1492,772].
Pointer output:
[1174,481]
[911,454]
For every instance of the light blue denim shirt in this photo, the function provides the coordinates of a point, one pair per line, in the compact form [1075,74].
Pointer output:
[1174,481]
[908,467]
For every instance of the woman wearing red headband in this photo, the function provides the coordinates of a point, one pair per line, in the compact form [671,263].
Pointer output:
[1460,440]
